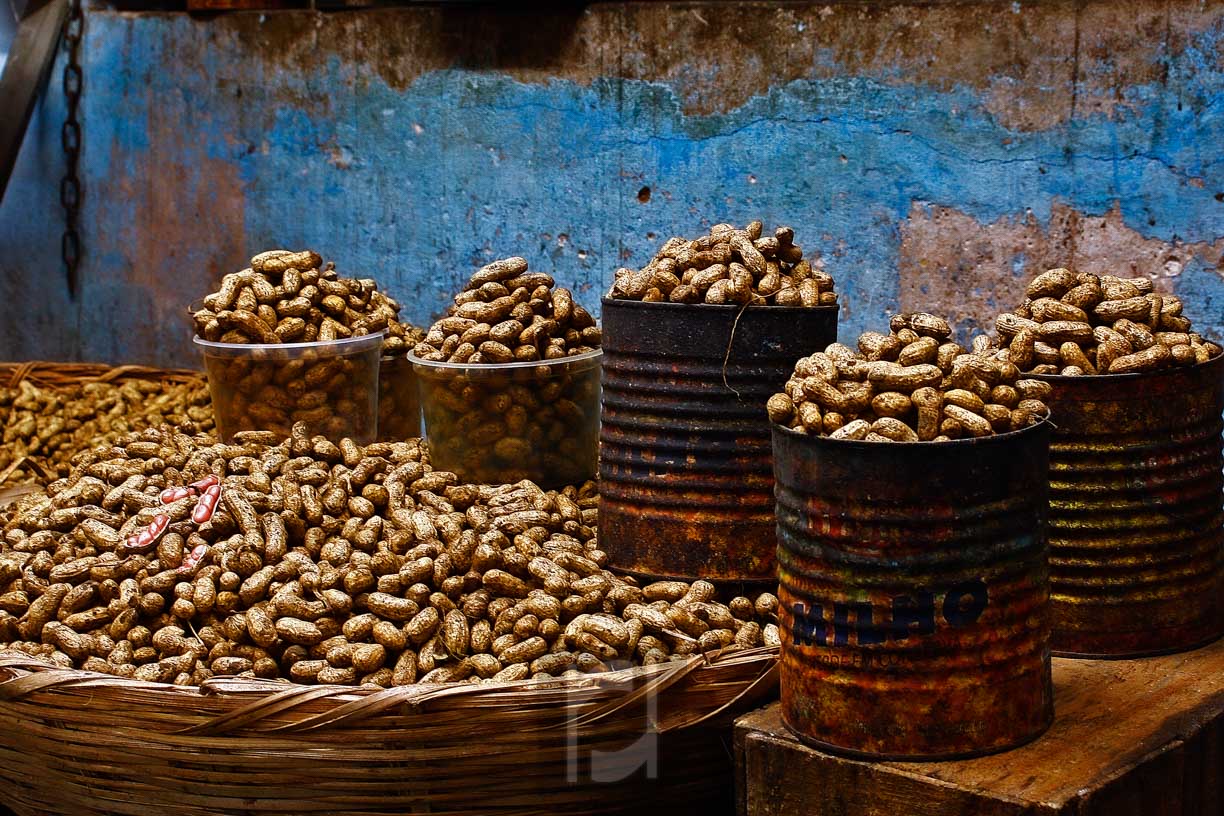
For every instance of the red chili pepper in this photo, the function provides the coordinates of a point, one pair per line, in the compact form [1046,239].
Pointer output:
[207,504]
[205,483]
[172,494]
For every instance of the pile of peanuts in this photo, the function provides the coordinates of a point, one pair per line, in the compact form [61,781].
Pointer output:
[730,265]
[174,558]
[44,427]
[506,314]
[503,425]
[285,297]
[1076,324]
[911,385]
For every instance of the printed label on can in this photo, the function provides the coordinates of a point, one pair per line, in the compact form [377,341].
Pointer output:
[912,615]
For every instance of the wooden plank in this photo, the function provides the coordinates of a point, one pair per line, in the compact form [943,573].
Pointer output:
[25,75]
[1130,738]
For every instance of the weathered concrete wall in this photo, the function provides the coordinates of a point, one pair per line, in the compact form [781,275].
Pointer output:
[934,153]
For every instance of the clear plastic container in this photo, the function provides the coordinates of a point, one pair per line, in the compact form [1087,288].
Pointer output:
[399,403]
[505,422]
[332,386]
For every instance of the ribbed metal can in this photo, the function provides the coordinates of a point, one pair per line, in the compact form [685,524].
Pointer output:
[914,593]
[686,469]
[1137,511]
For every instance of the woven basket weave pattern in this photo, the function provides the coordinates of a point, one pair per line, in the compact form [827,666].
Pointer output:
[77,742]
[62,376]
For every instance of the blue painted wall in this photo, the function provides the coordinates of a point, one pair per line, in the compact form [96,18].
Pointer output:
[203,149]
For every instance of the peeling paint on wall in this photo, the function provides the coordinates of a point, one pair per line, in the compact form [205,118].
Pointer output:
[981,269]
[1037,63]
[415,144]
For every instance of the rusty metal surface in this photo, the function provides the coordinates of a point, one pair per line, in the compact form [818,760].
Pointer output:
[914,593]
[686,472]
[1137,512]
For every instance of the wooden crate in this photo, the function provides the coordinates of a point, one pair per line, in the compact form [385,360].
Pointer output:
[1130,738]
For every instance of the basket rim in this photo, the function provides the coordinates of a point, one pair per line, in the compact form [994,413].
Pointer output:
[13,660]
[61,375]
[22,675]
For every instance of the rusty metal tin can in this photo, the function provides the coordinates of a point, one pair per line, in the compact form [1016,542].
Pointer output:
[1137,511]
[686,469]
[914,593]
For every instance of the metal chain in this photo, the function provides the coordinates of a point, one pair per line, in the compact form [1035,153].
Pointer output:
[70,138]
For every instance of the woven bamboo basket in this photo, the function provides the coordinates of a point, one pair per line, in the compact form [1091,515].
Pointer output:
[640,740]
[62,376]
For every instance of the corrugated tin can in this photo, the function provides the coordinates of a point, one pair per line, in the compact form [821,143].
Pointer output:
[686,469]
[1137,511]
[914,593]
